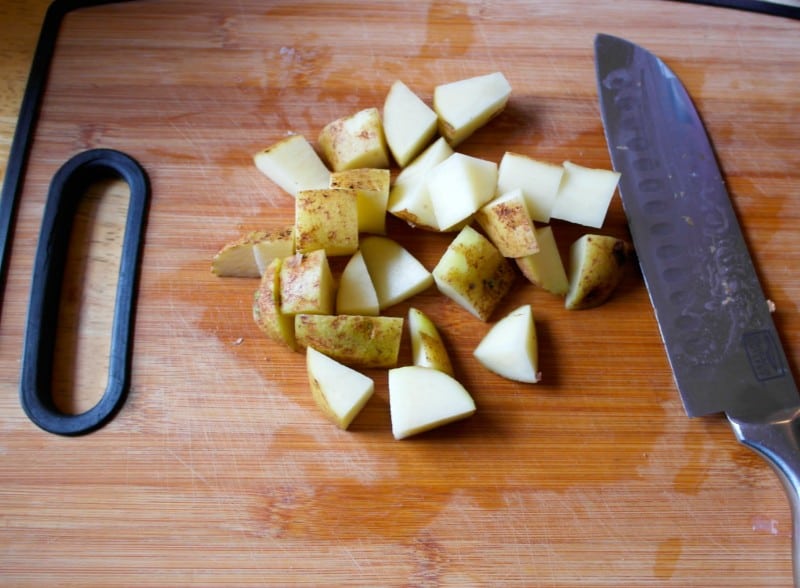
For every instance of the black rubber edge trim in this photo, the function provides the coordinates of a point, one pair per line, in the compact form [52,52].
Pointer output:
[66,190]
[26,123]
[772,8]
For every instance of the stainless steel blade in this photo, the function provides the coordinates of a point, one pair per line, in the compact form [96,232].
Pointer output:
[714,319]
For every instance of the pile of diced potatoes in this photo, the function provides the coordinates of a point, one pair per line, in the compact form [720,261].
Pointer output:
[497,216]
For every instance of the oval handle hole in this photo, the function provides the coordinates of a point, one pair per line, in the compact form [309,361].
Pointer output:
[88,293]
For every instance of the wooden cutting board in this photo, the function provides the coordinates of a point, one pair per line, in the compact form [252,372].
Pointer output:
[219,470]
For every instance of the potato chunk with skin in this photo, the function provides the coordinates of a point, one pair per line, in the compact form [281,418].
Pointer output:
[357,341]
[339,391]
[293,165]
[538,180]
[597,264]
[473,273]
[506,221]
[267,311]
[427,347]
[545,268]
[326,219]
[274,244]
[307,284]
[466,105]
[372,194]
[409,197]
[355,141]
[236,258]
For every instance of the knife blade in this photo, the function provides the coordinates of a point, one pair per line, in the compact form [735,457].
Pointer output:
[713,317]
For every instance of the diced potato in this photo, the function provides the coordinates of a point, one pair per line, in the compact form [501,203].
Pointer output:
[307,285]
[236,258]
[326,219]
[371,186]
[408,123]
[466,105]
[506,222]
[267,311]
[584,195]
[421,399]
[409,198]
[473,273]
[339,391]
[459,186]
[396,274]
[427,347]
[545,268]
[597,264]
[293,165]
[275,243]
[356,293]
[357,341]
[538,180]
[355,141]
[510,348]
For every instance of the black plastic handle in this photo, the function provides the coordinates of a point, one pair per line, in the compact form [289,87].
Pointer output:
[66,189]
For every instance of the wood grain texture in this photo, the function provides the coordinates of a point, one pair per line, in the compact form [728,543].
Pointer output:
[219,470]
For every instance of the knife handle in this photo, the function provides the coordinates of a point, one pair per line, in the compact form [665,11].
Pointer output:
[777,439]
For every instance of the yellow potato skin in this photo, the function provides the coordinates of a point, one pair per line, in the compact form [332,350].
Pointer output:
[326,219]
[354,340]
[597,264]
[474,273]
[427,347]
[371,186]
[267,307]
[235,259]
[355,141]
[509,226]
[306,284]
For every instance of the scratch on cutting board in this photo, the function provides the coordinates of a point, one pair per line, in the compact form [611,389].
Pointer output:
[192,470]
[538,541]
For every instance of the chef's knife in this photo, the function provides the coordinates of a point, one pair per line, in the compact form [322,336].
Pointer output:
[714,320]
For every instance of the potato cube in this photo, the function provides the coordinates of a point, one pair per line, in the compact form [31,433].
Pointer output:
[372,191]
[459,186]
[538,180]
[307,284]
[545,268]
[357,341]
[326,219]
[506,221]
[584,195]
[597,264]
[466,105]
[293,165]
[355,141]
[267,311]
[409,123]
[473,273]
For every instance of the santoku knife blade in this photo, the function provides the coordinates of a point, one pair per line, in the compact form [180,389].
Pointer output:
[714,320]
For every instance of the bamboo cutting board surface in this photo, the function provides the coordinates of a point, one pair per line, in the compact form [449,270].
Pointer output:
[219,470]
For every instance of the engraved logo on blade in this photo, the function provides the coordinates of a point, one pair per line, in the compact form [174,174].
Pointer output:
[765,359]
